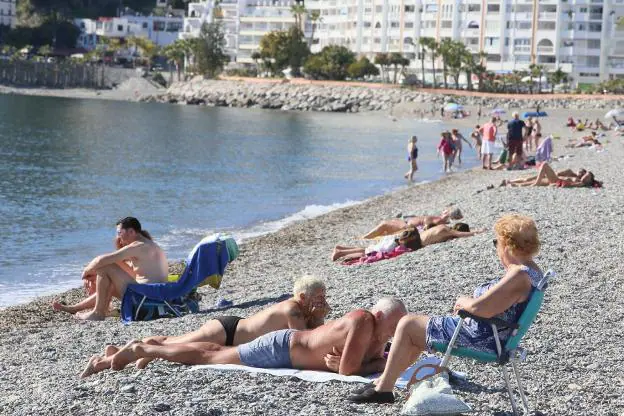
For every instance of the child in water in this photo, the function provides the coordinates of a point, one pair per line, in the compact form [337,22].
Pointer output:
[412,155]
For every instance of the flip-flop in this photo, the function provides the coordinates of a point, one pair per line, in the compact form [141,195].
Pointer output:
[363,388]
[372,396]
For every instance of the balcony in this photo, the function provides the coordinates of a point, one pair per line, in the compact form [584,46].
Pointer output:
[546,49]
[548,15]
[522,49]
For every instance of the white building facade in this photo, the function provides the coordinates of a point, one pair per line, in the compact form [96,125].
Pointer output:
[244,22]
[582,37]
[159,29]
[8,15]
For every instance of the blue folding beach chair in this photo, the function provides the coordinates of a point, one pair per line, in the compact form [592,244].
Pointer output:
[204,265]
[511,351]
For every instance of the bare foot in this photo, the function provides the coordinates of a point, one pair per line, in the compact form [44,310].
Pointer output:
[59,307]
[124,356]
[90,316]
[95,365]
[110,350]
[143,362]
[335,255]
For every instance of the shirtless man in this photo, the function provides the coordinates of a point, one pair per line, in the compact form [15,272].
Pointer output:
[394,226]
[137,260]
[307,309]
[442,233]
[353,344]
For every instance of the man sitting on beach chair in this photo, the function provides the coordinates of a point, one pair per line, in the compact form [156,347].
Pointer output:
[307,309]
[138,259]
[353,344]
[395,226]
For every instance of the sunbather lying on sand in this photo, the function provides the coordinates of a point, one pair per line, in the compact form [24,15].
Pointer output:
[409,239]
[432,235]
[546,176]
[307,309]
[353,344]
[395,226]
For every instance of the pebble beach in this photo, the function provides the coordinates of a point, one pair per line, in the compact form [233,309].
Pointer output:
[574,363]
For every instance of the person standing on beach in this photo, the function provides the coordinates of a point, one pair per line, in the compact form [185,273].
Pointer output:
[537,133]
[488,132]
[515,134]
[412,155]
[457,141]
[447,148]
[137,260]
[307,309]
[476,140]
[353,344]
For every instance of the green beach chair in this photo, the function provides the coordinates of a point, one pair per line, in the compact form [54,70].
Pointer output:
[511,352]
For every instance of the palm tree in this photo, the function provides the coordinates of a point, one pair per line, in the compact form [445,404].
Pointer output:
[535,71]
[432,45]
[175,53]
[315,18]
[148,49]
[396,60]
[445,48]
[383,60]
[556,77]
[298,10]
[423,52]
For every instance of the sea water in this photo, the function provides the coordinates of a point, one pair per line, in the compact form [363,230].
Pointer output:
[69,169]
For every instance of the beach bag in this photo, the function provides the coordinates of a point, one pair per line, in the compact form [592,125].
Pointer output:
[434,396]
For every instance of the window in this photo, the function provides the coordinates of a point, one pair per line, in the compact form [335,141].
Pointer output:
[506,41]
[583,10]
[546,25]
[431,8]
[568,43]
[493,8]
[368,10]
[378,9]
[522,42]
[159,26]
[410,8]
[446,24]
[589,74]
[472,41]
[522,58]
[493,58]
[491,41]
[593,61]
[409,25]
[474,8]
[367,24]
[377,25]
[377,40]
[595,27]
[119,28]
[394,24]
[593,43]
[429,24]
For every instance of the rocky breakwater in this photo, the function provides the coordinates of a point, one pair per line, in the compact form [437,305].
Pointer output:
[346,98]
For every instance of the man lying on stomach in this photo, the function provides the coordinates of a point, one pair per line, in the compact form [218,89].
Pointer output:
[353,344]
[305,310]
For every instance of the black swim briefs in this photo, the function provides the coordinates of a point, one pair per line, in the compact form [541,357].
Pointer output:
[229,324]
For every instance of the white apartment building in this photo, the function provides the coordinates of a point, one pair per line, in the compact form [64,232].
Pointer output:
[259,18]
[244,22]
[8,16]
[582,37]
[159,29]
